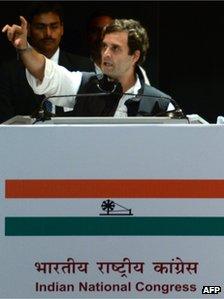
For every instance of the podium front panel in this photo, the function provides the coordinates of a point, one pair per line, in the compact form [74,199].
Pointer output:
[111,211]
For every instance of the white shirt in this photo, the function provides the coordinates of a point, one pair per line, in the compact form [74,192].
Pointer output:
[55,58]
[59,81]
[122,108]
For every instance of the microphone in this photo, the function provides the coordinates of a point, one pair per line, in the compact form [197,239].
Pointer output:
[42,114]
[176,113]
[105,85]
[109,87]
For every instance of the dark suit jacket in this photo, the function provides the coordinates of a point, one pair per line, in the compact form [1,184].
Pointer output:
[152,101]
[17,97]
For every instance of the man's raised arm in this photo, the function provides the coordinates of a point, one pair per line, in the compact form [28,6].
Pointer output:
[32,60]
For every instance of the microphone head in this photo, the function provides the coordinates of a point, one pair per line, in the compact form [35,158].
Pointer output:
[107,84]
[43,112]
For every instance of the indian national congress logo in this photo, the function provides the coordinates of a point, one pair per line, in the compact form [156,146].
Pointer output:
[111,208]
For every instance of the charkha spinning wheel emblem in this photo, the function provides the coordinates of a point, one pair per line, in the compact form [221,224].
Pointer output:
[109,208]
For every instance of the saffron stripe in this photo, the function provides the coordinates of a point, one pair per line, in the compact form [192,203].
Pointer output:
[114,226]
[114,189]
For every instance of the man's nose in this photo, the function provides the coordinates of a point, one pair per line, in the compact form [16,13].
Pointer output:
[47,31]
[106,52]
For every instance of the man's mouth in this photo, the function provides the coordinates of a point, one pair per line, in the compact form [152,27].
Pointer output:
[48,40]
[107,64]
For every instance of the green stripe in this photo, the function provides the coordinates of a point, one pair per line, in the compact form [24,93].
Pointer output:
[114,226]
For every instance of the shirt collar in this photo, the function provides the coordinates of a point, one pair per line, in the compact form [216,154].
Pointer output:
[135,88]
[55,57]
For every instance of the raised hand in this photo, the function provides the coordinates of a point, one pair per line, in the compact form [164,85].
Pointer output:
[17,35]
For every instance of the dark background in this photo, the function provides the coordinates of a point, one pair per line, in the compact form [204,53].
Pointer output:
[186,57]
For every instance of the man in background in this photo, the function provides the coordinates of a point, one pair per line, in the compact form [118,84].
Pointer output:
[45,31]
[95,24]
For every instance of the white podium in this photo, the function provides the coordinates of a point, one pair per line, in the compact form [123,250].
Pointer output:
[27,120]
[111,210]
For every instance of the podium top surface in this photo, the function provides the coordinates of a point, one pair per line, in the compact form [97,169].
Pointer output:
[27,120]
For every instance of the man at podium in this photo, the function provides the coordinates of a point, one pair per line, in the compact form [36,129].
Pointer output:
[120,92]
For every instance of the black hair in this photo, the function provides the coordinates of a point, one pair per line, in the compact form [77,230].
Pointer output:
[137,35]
[96,14]
[40,7]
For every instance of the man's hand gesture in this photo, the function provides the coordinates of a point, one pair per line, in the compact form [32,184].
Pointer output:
[17,35]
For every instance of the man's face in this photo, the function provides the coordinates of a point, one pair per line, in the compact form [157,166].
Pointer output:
[96,27]
[117,63]
[45,33]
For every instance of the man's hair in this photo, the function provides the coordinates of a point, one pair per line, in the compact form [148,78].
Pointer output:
[137,35]
[97,14]
[40,7]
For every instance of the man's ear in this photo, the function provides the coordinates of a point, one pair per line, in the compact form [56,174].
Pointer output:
[136,56]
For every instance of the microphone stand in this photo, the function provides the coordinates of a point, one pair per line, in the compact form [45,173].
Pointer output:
[176,113]
[43,114]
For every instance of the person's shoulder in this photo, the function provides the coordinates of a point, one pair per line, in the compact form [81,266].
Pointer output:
[89,78]
[75,62]
[152,91]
